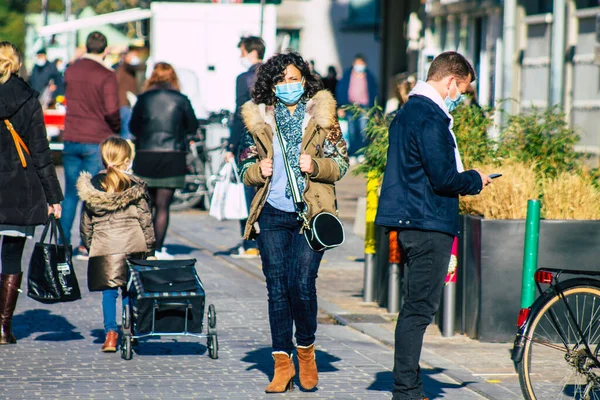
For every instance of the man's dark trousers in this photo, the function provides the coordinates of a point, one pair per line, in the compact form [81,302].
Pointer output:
[428,255]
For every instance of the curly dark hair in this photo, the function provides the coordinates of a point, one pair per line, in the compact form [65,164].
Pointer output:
[273,71]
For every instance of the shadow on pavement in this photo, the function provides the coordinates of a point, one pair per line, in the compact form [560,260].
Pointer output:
[383,382]
[98,335]
[171,347]
[179,249]
[57,327]
[434,389]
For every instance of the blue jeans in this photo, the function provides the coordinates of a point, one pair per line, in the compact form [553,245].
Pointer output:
[357,134]
[290,268]
[77,157]
[125,112]
[428,255]
[109,307]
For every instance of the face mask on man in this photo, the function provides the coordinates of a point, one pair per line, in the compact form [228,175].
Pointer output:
[453,103]
[134,61]
[246,63]
[360,68]
[289,93]
[40,62]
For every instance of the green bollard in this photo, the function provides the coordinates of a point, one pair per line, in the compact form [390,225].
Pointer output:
[530,253]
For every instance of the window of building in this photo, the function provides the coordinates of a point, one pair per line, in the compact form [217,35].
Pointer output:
[533,7]
[362,14]
[587,3]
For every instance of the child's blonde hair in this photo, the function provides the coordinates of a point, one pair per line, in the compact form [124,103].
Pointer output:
[117,154]
[10,61]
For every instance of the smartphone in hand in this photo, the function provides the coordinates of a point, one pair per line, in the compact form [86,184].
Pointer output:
[494,176]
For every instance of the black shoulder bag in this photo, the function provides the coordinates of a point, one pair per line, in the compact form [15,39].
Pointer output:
[325,230]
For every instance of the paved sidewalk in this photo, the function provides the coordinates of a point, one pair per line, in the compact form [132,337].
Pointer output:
[339,288]
[58,351]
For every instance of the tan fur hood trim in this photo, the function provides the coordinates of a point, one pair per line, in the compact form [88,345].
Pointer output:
[322,108]
[98,200]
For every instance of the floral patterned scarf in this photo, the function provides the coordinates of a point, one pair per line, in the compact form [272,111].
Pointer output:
[290,127]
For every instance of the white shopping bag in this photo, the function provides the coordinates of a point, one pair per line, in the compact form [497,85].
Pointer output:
[229,198]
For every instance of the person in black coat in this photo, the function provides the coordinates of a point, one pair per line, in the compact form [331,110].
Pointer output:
[29,187]
[161,121]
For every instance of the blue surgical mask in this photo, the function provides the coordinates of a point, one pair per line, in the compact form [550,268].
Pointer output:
[289,93]
[360,68]
[453,103]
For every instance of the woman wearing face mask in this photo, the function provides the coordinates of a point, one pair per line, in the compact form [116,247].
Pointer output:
[288,98]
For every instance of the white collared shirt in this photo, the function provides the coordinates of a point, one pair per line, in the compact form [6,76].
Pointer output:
[424,89]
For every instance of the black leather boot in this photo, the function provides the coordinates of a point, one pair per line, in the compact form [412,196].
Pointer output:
[9,293]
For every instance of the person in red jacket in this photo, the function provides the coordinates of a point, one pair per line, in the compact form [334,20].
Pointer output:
[92,116]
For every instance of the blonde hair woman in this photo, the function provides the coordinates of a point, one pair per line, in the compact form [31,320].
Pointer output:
[116,224]
[29,188]
[161,121]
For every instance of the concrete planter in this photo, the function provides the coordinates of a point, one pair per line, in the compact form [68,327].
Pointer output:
[490,264]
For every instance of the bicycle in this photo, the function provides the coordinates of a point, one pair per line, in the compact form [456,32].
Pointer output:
[558,339]
[200,178]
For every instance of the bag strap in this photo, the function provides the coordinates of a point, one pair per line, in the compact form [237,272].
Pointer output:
[56,231]
[296,195]
[19,144]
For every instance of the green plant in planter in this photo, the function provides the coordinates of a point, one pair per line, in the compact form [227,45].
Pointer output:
[543,138]
[470,127]
[377,132]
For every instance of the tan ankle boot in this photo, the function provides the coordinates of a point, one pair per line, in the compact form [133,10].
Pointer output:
[283,379]
[9,293]
[309,376]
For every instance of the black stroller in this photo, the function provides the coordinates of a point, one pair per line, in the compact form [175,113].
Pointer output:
[166,298]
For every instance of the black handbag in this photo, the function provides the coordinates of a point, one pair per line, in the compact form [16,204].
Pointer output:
[325,230]
[51,277]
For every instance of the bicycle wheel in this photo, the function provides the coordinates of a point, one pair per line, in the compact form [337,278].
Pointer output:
[556,362]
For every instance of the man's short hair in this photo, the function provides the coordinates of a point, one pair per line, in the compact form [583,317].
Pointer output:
[361,57]
[96,43]
[252,43]
[450,63]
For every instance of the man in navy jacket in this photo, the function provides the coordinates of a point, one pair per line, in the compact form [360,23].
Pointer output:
[252,50]
[423,178]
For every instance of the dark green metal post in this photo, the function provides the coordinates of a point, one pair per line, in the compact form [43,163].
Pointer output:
[530,253]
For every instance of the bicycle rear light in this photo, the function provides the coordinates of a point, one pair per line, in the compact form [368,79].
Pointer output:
[523,314]
[543,277]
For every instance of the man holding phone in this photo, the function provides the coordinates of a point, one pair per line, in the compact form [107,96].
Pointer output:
[423,178]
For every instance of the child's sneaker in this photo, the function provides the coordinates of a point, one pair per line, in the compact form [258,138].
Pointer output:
[163,255]
[82,254]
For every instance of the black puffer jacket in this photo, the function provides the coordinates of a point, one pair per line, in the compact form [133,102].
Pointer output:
[161,120]
[25,192]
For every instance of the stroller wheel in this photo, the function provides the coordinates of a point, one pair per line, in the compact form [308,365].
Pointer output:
[212,316]
[213,346]
[126,318]
[126,352]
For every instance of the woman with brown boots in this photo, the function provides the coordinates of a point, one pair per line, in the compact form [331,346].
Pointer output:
[289,99]
[29,188]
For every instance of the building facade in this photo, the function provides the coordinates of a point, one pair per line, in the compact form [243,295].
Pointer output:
[537,53]
[331,32]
